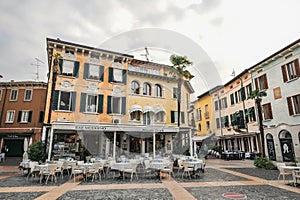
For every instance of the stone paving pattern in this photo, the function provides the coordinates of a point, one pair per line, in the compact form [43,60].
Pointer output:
[219,177]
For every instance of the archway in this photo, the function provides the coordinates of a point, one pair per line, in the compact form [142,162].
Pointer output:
[287,147]
[271,147]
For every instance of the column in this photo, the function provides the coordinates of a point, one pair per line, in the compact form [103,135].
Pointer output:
[154,144]
[115,144]
[50,143]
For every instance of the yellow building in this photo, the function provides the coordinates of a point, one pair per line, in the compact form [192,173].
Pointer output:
[93,106]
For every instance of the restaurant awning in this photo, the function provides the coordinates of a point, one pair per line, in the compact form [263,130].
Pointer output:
[135,108]
[199,138]
[148,109]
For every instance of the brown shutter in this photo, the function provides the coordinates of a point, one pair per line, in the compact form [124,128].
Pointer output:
[270,111]
[256,83]
[297,67]
[283,69]
[290,105]
[265,81]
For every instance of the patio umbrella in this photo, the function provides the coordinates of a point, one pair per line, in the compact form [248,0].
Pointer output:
[25,155]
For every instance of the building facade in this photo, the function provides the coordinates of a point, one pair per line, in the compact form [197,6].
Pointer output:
[22,107]
[278,75]
[107,103]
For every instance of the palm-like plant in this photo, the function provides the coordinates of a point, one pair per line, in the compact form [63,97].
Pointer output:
[257,95]
[178,70]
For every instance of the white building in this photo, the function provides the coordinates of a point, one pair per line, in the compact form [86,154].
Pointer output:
[278,75]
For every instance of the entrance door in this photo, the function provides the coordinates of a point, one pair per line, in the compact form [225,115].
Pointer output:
[15,148]
[286,144]
[271,147]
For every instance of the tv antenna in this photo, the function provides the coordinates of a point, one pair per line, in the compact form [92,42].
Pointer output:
[146,54]
[38,61]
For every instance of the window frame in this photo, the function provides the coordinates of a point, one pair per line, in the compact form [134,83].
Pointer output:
[267,111]
[160,117]
[146,89]
[59,101]
[87,103]
[119,105]
[134,87]
[290,71]
[25,95]
[293,103]
[11,95]
[9,118]
[261,82]
[135,115]
[157,90]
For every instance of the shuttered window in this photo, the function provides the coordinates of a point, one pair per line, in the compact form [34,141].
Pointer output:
[267,111]
[261,82]
[294,104]
[69,68]
[116,105]
[117,75]
[64,100]
[91,103]
[94,72]
[290,70]
[232,99]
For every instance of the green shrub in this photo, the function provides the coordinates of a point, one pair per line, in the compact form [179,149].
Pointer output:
[217,148]
[264,162]
[37,152]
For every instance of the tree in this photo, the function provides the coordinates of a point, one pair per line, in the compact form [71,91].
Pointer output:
[257,95]
[36,152]
[178,70]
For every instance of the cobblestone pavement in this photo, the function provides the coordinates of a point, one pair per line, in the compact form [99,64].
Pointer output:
[220,177]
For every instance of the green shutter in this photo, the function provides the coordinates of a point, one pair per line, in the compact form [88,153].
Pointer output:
[86,70]
[76,69]
[60,63]
[82,102]
[19,116]
[109,98]
[101,73]
[124,77]
[73,101]
[29,116]
[123,109]
[172,117]
[243,93]
[111,75]
[55,100]
[100,103]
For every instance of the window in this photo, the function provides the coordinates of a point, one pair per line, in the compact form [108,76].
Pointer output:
[91,103]
[267,111]
[291,70]
[236,94]
[10,116]
[218,123]
[261,82]
[157,90]
[250,115]
[24,116]
[13,95]
[135,115]
[28,95]
[225,122]
[69,68]
[223,103]
[64,100]
[148,118]
[147,89]
[116,105]
[199,127]
[248,89]
[135,87]
[94,72]
[216,105]
[175,93]
[0,94]
[160,116]
[174,117]
[199,114]
[117,75]
[294,104]
[207,126]
[232,99]
[206,114]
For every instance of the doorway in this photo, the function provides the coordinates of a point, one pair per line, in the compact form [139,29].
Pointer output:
[286,144]
[271,147]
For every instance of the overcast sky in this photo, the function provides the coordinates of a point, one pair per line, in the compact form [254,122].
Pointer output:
[233,33]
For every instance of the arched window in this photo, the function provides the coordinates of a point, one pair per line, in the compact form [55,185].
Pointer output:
[135,115]
[147,89]
[135,87]
[160,116]
[157,90]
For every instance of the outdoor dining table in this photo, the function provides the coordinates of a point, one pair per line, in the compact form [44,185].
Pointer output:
[158,165]
[197,165]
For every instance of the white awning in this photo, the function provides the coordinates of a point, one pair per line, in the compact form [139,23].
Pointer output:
[148,109]
[200,138]
[135,108]
[160,109]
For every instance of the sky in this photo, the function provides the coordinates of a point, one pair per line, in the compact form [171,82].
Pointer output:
[233,34]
